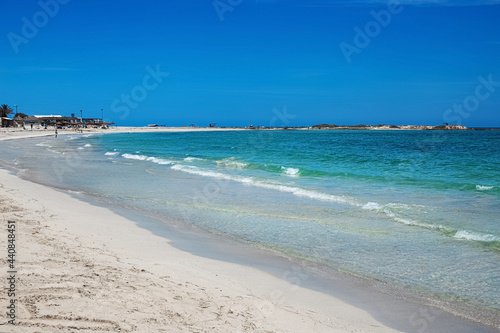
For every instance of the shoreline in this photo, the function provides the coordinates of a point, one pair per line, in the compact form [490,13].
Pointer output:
[74,259]
[408,309]
[7,133]
[282,295]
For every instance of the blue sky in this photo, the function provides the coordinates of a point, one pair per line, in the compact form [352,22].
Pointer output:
[260,62]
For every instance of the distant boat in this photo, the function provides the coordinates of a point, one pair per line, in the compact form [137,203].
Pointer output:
[153,125]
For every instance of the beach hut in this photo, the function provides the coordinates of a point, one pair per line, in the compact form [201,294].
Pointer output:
[6,122]
[31,120]
[48,120]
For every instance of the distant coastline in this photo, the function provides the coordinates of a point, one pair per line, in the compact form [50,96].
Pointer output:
[15,132]
[393,127]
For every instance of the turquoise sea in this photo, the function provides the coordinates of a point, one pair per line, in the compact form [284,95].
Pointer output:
[417,209]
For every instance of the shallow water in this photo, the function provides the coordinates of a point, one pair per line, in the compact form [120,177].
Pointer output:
[413,208]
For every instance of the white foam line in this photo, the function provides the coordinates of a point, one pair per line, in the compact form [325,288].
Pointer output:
[463,234]
[231,163]
[293,172]
[147,158]
[191,159]
[158,160]
[282,188]
[483,187]
[135,157]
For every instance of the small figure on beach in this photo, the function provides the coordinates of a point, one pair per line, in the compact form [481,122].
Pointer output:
[56,132]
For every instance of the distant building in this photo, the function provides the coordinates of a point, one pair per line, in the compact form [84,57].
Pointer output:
[47,116]
[28,121]
[48,120]
[57,120]
[23,120]
[6,122]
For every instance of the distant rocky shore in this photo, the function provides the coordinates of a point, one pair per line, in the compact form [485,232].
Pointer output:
[390,127]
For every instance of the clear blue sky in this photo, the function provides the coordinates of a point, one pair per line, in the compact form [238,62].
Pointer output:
[235,61]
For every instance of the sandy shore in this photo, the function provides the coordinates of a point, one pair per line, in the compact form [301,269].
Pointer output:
[83,268]
[12,133]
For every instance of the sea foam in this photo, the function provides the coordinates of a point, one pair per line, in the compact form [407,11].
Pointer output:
[160,161]
[268,185]
[483,188]
[191,159]
[231,163]
[147,158]
[290,171]
[463,234]
[372,206]
[43,144]
[135,157]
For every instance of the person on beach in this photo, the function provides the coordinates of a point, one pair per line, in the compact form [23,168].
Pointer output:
[56,132]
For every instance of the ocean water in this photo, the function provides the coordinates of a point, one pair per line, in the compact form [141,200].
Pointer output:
[418,209]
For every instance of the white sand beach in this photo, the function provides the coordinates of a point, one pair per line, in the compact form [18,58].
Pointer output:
[8,133]
[84,268]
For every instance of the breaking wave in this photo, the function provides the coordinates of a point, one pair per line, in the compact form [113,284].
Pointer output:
[147,158]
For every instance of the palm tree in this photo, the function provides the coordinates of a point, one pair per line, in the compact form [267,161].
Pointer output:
[5,110]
